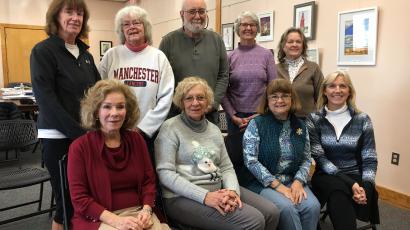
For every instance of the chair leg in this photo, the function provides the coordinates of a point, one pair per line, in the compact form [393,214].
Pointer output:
[40,199]
[324,215]
[18,156]
[35,147]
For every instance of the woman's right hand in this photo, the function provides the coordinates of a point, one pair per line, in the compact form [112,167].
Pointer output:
[240,122]
[120,222]
[287,192]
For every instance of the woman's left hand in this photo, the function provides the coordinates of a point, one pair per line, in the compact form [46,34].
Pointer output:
[298,192]
[231,200]
[359,194]
[144,218]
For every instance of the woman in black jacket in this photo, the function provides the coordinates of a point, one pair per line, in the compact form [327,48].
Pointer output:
[61,71]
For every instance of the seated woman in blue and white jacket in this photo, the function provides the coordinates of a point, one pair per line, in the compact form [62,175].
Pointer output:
[343,146]
[277,152]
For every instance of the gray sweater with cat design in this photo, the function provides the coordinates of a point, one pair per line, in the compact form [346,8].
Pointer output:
[192,161]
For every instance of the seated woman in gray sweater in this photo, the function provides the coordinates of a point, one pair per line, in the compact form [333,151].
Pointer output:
[196,174]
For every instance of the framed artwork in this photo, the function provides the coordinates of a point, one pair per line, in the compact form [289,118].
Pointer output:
[304,17]
[104,46]
[313,55]
[266,22]
[357,37]
[228,35]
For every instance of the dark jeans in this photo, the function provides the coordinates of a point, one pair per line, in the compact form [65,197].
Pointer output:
[233,128]
[53,150]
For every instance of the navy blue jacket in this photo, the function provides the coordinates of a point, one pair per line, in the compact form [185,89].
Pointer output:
[59,83]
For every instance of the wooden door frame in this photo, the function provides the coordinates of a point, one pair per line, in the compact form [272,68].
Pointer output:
[218,12]
[3,27]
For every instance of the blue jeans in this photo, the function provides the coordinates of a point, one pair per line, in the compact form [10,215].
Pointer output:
[232,127]
[295,217]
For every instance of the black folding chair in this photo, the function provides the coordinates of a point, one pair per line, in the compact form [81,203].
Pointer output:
[15,135]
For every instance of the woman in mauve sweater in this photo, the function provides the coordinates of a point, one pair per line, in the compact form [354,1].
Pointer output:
[110,175]
[251,68]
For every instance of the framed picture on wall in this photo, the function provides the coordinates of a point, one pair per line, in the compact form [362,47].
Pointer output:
[357,37]
[266,22]
[104,46]
[313,55]
[228,35]
[304,17]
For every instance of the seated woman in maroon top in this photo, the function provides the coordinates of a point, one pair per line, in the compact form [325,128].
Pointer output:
[109,168]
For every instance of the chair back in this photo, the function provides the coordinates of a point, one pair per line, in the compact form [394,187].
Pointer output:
[16,134]
[222,124]
[9,111]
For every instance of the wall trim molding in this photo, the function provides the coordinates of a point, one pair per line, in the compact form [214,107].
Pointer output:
[395,198]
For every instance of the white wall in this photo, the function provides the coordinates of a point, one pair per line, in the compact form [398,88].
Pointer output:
[382,90]
[33,12]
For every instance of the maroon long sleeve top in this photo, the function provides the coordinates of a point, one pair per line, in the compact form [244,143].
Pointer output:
[99,181]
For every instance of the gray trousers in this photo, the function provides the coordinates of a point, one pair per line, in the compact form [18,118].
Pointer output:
[257,213]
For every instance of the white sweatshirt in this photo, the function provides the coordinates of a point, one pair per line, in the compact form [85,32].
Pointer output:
[149,75]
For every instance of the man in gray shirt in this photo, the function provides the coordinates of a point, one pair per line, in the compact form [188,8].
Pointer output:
[195,51]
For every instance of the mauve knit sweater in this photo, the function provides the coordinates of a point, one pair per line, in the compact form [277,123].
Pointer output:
[251,68]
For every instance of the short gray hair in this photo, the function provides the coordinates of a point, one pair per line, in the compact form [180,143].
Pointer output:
[137,13]
[247,14]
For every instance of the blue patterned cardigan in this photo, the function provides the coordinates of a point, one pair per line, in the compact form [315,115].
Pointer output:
[353,153]
[263,156]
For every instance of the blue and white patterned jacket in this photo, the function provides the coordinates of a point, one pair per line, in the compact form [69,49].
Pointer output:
[276,150]
[353,153]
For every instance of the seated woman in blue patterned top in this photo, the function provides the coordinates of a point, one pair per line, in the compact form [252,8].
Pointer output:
[277,152]
[343,146]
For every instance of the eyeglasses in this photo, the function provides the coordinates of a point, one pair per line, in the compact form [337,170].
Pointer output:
[192,98]
[192,12]
[245,25]
[128,24]
[276,97]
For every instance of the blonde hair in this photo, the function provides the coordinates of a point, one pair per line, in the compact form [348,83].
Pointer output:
[186,85]
[330,78]
[275,86]
[93,99]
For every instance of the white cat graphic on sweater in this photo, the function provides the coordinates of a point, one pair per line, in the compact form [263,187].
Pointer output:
[203,160]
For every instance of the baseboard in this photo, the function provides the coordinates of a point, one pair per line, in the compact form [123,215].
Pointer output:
[395,198]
